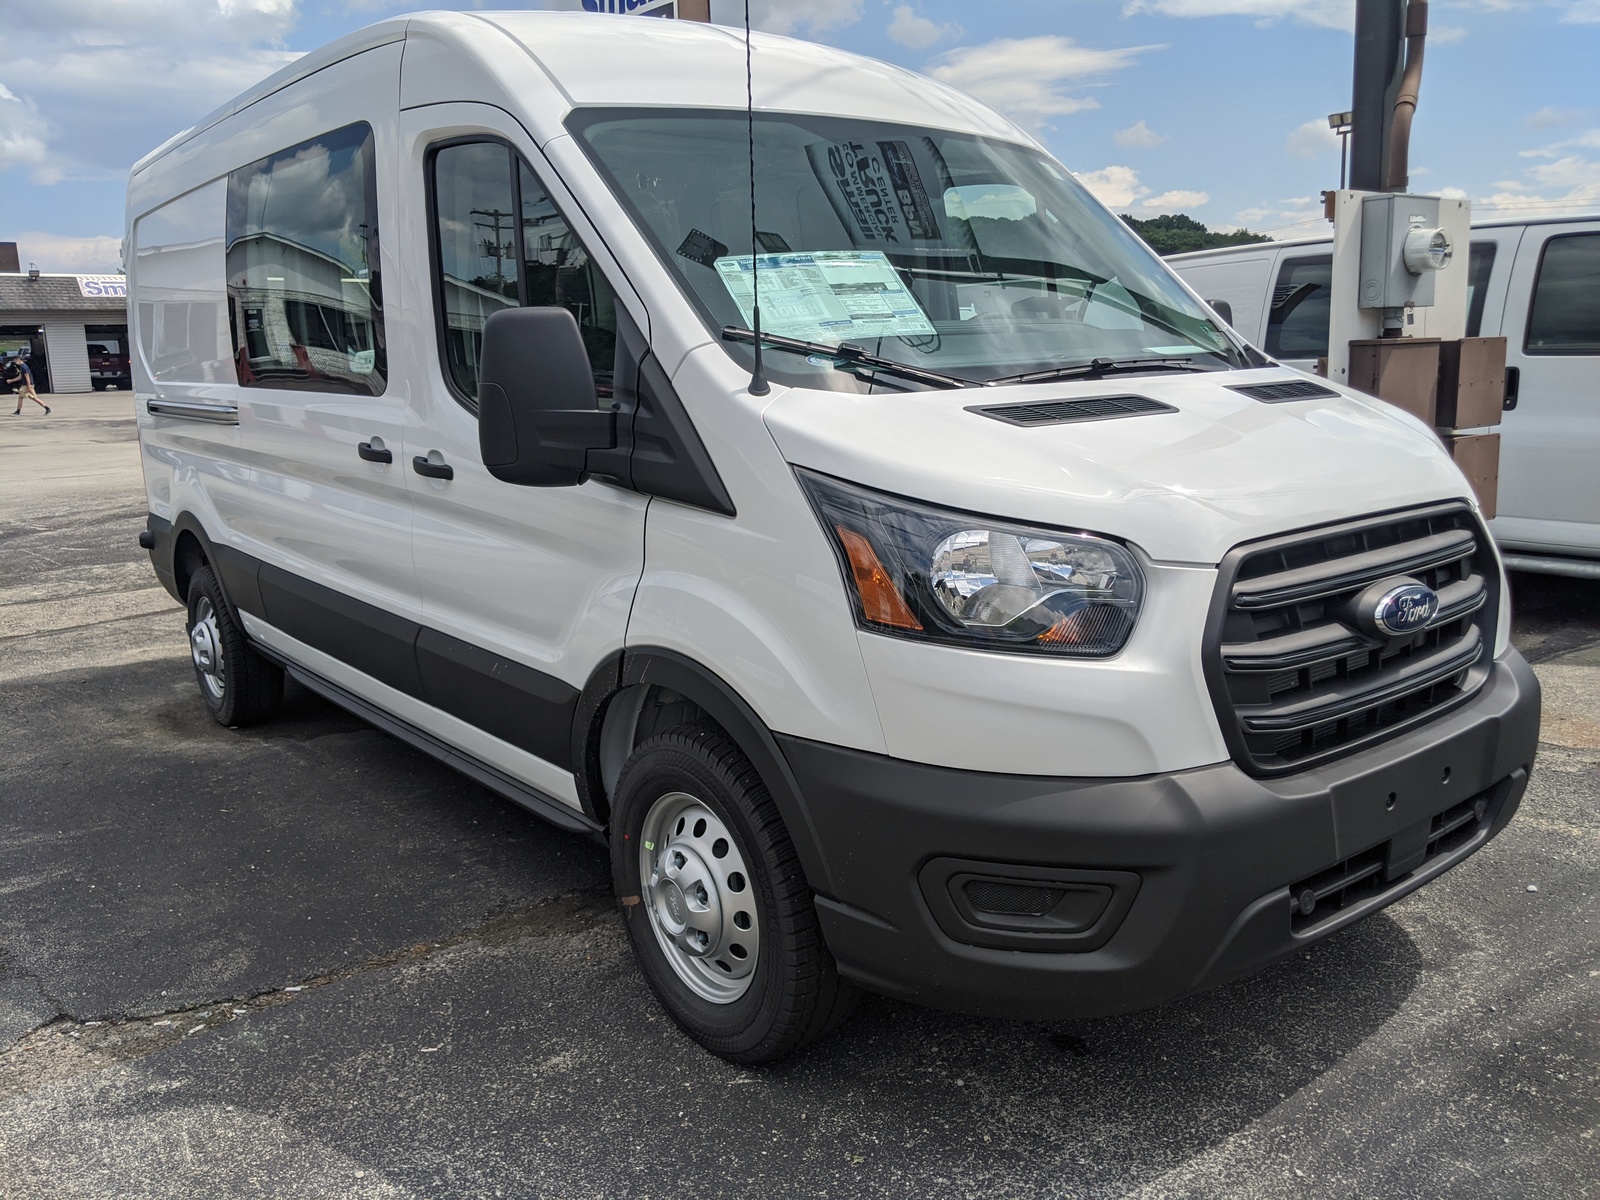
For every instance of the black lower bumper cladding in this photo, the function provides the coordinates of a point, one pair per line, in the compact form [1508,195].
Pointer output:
[1041,897]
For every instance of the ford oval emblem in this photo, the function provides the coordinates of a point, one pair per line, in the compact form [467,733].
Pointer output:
[1405,609]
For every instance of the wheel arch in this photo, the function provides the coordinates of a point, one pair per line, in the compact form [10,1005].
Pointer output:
[183,546]
[638,692]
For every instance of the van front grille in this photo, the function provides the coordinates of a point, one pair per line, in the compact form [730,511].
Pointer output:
[1297,673]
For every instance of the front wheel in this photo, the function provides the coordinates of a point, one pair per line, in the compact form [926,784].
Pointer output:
[718,910]
[237,684]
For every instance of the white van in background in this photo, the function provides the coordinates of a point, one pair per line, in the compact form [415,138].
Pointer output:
[1029,646]
[1537,284]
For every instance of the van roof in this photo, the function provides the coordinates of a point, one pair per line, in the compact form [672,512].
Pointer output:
[1326,239]
[595,59]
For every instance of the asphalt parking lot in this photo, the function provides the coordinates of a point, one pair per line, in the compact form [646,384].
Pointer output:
[308,961]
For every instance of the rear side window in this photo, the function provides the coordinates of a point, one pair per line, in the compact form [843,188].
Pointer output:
[1480,264]
[1297,323]
[305,297]
[1565,315]
[500,242]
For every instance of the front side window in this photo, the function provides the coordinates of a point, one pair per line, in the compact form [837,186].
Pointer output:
[952,253]
[1565,315]
[500,242]
[1480,265]
[305,298]
[1297,323]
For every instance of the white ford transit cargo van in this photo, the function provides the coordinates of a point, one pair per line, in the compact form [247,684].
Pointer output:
[1031,647]
[1535,283]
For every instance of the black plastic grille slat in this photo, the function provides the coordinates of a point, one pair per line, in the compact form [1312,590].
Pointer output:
[1297,680]
[1362,876]
[1060,412]
[1279,393]
[1340,575]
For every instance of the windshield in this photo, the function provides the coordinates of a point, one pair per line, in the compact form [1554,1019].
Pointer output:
[953,253]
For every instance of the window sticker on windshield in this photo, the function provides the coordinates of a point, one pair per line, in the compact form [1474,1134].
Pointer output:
[877,191]
[701,248]
[826,296]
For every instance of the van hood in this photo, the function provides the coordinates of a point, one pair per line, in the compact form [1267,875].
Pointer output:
[1185,485]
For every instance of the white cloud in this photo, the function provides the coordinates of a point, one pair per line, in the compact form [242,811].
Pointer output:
[1291,217]
[282,9]
[85,255]
[1549,118]
[1115,187]
[1029,79]
[1175,200]
[919,33]
[1120,188]
[1445,35]
[1328,14]
[22,132]
[1312,140]
[1588,140]
[1138,136]
[106,80]
[814,16]
[1582,12]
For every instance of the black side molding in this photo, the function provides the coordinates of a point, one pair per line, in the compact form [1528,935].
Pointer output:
[518,704]
[515,703]
[373,641]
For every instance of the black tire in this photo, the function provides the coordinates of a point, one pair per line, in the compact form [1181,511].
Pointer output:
[795,995]
[248,688]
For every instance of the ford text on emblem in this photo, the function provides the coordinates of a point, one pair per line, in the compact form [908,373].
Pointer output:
[1405,609]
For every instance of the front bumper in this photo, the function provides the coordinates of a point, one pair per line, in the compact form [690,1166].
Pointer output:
[1193,871]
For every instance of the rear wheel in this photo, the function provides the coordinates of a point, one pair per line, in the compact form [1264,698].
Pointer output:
[237,684]
[718,910]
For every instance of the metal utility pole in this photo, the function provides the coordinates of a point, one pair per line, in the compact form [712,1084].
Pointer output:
[1379,29]
[1390,35]
[1398,296]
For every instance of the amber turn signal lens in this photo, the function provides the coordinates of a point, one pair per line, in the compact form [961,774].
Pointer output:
[880,600]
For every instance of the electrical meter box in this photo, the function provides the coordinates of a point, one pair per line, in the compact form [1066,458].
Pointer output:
[1402,249]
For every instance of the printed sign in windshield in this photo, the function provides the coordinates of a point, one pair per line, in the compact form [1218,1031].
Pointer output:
[877,191]
[826,296]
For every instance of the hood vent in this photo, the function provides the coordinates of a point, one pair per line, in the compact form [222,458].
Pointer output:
[1281,393]
[1060,412]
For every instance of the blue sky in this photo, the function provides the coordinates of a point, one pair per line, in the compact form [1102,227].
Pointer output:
[1216,108]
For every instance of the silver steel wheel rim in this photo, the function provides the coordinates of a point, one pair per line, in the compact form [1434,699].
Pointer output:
[205,647]
[700,898]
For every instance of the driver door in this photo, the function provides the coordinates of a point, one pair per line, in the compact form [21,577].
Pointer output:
[524,590]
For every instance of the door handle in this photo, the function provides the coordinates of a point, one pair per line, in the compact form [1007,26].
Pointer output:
[375,454]
[1513,388]
[432,470]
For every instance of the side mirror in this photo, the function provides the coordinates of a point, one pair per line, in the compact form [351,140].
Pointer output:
[538,412]
[1223,309]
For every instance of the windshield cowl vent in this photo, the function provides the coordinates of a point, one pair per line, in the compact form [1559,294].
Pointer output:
[1282,393]
[1061,412]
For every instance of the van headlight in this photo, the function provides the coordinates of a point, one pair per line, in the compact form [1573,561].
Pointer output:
[933,574]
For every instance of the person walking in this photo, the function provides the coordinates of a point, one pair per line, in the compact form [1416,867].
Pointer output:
[17,374]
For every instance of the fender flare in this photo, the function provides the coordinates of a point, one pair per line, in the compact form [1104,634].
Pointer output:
[655,666]
[235,572]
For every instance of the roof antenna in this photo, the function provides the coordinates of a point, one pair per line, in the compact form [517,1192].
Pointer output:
[758,378]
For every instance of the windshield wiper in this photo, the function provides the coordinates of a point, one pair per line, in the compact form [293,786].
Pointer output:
[847,354]
[1095,368]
